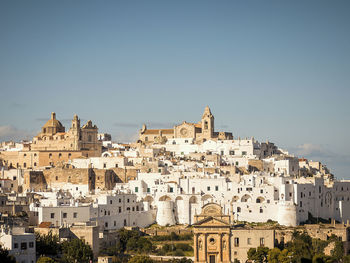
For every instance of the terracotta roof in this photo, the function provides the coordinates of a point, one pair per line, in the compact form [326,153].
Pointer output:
[156,131]
[45,225]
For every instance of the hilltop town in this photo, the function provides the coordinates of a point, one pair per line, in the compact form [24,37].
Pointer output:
[224,195]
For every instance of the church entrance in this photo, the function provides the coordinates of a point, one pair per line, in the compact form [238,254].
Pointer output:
[212,259]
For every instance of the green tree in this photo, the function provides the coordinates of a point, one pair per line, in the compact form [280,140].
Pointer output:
[5,257]
[301,247]
[273,254]
[76,251]
[45,260]
[124,236]
[338,251]
[258,255]
[141,259]
[47,244]
[318,245]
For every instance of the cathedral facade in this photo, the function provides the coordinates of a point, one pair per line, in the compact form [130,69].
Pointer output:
[54,145]
[200,132]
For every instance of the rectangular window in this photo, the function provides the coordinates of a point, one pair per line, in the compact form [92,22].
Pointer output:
[216,188]
[120,200]
[262,241]
[236,242]
[148,189]
[52,215]
[31,244]
[23,246]
[232,152]
[119,209]
[249,241]
[136,189]
[171,190]
[64,215]
[208,188]
[75,215]
[15,245]
[244,153]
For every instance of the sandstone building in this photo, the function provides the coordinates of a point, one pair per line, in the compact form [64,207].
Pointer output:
[200,132]
[55,145]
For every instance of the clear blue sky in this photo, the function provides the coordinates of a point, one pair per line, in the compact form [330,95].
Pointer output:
[275,70]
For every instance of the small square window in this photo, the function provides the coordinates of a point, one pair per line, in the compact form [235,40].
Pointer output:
[23,246]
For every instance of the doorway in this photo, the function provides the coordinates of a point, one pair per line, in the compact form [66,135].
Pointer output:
[212,259]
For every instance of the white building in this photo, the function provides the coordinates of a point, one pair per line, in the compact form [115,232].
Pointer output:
[21,245]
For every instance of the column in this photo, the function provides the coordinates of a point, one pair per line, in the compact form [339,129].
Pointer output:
[205,247]
[220,247]
[196,247]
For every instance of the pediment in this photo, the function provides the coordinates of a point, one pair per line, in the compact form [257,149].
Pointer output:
[212,222]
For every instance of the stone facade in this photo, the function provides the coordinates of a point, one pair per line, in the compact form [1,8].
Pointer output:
[53,145]
[212,235]
[217,240]
[200,132]
[58,177]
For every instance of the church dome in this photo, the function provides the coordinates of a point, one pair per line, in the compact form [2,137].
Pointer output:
[53,126]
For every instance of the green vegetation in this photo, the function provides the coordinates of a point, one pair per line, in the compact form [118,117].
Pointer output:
[301,249]
[174,249]
[5,257]
[50,249]
[76,251]
[172,237]
[47,245]
[132,242]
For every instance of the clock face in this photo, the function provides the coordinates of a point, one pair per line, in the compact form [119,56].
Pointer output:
[183,131]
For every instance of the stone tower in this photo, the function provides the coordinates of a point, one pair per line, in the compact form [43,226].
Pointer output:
[207,124]
[75,130]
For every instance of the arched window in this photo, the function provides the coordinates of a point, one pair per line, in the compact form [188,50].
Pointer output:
[206,125]
[34,163]
[89,138]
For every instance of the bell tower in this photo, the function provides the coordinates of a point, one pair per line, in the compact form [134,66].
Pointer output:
[207,123]
[75,129]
